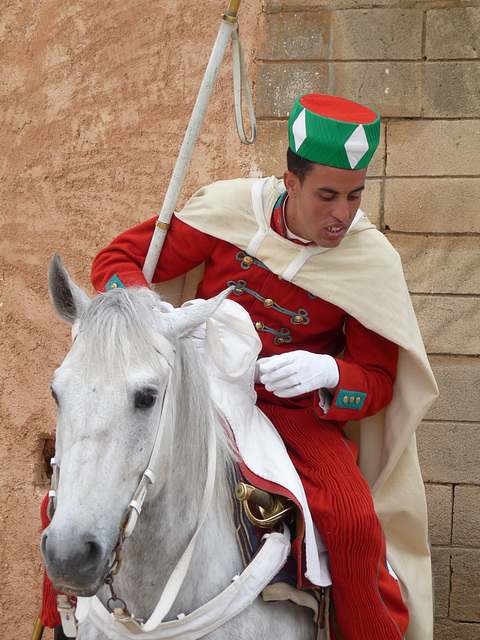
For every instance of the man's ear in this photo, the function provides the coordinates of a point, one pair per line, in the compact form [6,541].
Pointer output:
[291,183]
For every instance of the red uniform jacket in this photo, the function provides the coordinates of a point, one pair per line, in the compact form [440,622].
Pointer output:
[287,317]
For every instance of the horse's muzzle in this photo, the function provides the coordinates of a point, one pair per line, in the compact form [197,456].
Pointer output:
[77,564]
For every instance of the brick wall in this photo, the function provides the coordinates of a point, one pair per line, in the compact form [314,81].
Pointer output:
[418,64]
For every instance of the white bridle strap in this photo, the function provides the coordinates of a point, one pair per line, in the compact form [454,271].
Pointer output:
[235,598]
[177,577]
[147,488]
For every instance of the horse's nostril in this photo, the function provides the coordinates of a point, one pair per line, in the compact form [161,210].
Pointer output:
[43,544]
[93,554]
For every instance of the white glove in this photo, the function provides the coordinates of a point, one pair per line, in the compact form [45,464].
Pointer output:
[297,372]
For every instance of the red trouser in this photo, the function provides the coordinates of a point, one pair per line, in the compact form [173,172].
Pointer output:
[367,599]
[49,615]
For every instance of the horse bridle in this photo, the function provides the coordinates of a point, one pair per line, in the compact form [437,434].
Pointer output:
[145,491]
[147,482]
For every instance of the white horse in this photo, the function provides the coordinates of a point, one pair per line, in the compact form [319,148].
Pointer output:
[131,367]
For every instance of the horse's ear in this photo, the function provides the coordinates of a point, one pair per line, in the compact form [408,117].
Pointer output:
[192,314]
[67,298]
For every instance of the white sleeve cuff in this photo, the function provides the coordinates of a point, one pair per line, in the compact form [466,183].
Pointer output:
[325,400]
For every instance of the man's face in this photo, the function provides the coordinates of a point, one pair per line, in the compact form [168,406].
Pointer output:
[322,207]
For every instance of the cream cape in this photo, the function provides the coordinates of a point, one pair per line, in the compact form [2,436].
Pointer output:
[363,276]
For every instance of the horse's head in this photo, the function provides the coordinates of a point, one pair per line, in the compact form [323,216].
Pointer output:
[110,396]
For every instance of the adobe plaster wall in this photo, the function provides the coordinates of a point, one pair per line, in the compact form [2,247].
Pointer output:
[96,98]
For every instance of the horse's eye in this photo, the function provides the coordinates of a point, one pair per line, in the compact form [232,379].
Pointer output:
[145,399]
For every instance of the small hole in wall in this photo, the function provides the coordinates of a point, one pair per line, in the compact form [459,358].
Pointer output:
[48,452]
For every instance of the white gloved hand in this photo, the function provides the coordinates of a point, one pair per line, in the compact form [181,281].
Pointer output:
[297,372]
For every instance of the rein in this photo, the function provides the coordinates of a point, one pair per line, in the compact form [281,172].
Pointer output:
[243,589]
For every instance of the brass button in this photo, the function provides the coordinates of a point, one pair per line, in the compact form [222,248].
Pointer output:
[345,400]
[238,290]
[114,285]
[247,260]
[357,400]
[259,326]
[298,319]
[269,303]
[352,399]
[280,340]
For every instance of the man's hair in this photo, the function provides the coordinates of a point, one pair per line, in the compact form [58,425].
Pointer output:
[301,167]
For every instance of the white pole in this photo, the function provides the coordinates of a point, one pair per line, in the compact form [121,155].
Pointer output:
[163,223]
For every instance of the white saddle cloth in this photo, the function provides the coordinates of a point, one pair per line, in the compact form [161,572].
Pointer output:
[230,346]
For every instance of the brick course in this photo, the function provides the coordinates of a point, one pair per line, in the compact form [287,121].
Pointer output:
[440,509]
[465,581]
[448,452]
[458,379]
[437,205]
[465,525]
[453,34]
[439,264]
[433,148]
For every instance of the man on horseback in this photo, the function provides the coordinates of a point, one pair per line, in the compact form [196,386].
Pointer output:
[340,343]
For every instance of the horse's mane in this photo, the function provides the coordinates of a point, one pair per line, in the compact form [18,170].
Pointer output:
[119,329]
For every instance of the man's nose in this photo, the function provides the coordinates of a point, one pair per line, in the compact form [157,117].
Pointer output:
[341,211]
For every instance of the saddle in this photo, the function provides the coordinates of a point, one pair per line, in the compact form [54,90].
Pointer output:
[264,479]
[254,511]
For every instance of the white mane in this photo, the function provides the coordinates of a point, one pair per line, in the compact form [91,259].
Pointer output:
[119,329]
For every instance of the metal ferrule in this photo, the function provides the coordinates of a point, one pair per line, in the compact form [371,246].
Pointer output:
[231,13]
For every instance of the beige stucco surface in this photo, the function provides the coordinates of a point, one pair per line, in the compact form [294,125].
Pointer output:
[95,101]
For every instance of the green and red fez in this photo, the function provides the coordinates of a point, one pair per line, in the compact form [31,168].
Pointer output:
[333,131]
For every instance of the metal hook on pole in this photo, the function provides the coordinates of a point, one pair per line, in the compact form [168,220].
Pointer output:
[229,21]
[241,84]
